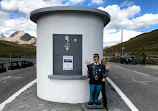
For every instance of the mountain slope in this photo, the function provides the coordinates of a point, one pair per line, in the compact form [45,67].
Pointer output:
[1,38]
[147,43]
[16,50]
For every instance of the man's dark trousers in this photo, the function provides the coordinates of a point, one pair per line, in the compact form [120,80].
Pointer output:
[104,95]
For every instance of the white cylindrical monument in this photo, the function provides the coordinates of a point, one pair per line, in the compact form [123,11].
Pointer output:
[66,37]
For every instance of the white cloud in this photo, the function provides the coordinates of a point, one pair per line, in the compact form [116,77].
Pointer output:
[127,3]
[99,2]
[12,25]
[73,2]
[3,16]
[126,18]
[9,4]
[27,6]
[8,26]
[115,37]
[141,22]
[118,15]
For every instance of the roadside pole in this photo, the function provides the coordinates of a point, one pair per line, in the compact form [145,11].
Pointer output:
[10,60]
[121,42]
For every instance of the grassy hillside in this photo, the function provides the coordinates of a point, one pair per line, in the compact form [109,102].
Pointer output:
[147,43]
[7,48]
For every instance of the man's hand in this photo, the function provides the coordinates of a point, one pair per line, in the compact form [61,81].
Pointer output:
[103,80]
[107,67]
[88,79]
[86,62]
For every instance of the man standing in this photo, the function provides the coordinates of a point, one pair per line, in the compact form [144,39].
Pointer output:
[96,74]
[133,60]
[143,59]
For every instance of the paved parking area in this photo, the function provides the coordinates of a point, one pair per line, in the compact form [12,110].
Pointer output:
[138,83]
[28,101]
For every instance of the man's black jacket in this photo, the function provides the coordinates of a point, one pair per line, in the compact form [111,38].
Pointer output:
[96,72]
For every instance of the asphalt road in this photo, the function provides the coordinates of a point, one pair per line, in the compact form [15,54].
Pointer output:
[138,83]
[13,80]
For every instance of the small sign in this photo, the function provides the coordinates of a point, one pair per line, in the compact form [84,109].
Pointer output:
[67,38]
[67,62]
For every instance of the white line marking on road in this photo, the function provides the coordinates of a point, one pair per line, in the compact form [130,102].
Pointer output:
[4,82]
[131,70]
[122,95]
[11,98]
[142,82]
[17,77]
[3,78]
[141,73]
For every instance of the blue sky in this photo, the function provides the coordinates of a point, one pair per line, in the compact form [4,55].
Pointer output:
[133,16]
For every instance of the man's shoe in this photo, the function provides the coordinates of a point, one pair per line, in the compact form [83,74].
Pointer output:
[107,108]
[90,103]
[97,103]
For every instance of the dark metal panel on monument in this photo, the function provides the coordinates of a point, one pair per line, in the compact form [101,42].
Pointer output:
[70,47]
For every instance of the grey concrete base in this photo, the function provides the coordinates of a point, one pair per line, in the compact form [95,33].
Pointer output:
[63,77]
[85,109]
[94,106]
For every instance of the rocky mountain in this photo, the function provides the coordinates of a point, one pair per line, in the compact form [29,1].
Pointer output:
[21,37]
[2,36]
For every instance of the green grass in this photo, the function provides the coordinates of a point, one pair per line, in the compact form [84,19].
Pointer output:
[116,60]
[16,50]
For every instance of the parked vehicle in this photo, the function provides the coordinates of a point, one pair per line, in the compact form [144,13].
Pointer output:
[117,54]
[15,65]
[2,68]
[126,58]
[26,64]
[20,64]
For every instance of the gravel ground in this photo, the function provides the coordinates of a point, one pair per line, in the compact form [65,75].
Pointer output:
[28,101]
[115,103]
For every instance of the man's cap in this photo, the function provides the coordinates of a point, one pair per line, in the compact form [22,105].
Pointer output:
[95,55]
